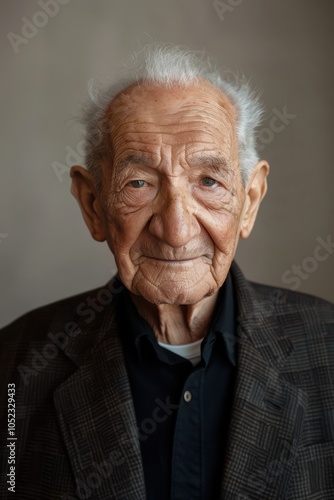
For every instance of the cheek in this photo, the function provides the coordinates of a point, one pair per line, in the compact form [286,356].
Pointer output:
[120,241]
[121,238]
[124,231]
[223,229]
[225,241]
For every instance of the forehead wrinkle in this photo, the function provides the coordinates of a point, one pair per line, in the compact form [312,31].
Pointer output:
[154,127]
[214,109]
[168,123]
[214,102]
[184,137]
[144,126]
[135,93]
[153,121]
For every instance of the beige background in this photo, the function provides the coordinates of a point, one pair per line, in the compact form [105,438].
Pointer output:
[285,47]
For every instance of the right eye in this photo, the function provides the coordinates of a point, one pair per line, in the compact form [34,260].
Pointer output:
[138,183]
[208,182]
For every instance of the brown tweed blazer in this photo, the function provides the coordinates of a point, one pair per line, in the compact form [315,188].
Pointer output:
[75,423]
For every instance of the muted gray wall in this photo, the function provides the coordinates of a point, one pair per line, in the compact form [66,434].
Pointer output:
[284,46]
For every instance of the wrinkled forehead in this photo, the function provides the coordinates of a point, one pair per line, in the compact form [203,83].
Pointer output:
[156,101]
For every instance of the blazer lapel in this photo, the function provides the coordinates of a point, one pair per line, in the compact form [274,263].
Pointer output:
[268,412]
[96,415]
[97,420]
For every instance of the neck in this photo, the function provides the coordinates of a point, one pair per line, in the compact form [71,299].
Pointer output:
[177,324]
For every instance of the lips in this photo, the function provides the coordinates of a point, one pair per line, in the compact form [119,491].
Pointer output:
[184,260]
[175,260]
[175,256]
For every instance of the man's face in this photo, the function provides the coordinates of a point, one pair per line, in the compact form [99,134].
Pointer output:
[173,195]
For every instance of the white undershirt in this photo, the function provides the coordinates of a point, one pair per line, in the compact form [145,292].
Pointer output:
[192,351]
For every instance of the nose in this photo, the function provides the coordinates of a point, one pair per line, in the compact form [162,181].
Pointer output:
[174,221]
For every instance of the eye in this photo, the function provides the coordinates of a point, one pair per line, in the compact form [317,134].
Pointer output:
[208,181]
[138,183]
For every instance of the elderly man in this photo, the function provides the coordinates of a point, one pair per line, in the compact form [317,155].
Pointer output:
[179,379]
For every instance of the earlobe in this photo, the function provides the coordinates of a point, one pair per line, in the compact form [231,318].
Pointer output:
[255,191]
[84,191]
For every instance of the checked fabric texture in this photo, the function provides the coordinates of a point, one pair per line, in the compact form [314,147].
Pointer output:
[75,422]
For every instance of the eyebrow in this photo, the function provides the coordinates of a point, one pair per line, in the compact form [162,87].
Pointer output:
[217,163]
[133,160]
[214,160]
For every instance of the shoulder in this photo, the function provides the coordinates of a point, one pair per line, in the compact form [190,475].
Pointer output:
[303,321]
[293,331]
[275,300]
[291,297]
[286,317]
[282,301]
[34,324]
[36,341]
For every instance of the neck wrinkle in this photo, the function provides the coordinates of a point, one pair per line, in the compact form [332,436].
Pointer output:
[177,324]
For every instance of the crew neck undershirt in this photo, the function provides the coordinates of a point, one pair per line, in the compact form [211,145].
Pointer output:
[191,351]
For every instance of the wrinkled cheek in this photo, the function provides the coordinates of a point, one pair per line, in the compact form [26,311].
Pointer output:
[225,241]
[126,269]
[225,246]
[119,243]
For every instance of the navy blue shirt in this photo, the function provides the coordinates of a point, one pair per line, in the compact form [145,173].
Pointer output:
[182,411]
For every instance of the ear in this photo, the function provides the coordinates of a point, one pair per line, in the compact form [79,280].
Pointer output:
[255,190]
[84,190]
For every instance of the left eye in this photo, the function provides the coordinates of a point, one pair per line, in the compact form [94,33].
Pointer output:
[137,183]
[208,182]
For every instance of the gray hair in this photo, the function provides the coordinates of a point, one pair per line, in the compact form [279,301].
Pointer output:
[166,65]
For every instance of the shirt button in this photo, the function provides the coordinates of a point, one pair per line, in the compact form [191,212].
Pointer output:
[187,396]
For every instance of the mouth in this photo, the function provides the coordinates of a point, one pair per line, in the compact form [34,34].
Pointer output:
[177,260]
[172,262]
